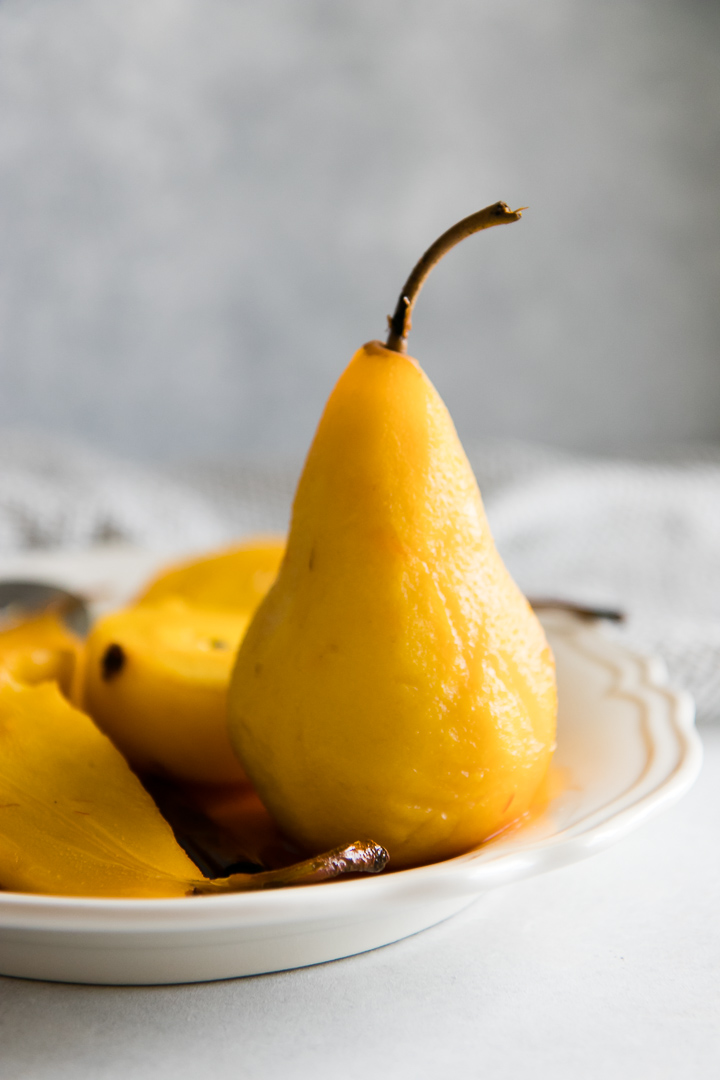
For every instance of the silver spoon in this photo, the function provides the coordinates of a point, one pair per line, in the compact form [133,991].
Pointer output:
[585,611]
[19,598]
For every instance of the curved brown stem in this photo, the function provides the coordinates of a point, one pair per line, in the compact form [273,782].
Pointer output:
[400,323]
[362,857]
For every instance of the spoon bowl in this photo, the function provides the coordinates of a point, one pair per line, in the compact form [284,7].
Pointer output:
[18,598]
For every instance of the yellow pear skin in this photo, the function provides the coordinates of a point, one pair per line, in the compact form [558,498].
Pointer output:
[394,682]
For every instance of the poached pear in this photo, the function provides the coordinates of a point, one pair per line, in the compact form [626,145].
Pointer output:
[394,682]
[155,674]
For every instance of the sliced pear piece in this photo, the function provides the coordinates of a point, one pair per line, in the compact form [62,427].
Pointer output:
[74,820]
[156,679]
[156,673]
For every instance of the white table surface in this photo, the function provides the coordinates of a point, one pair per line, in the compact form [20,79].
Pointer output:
[608,968]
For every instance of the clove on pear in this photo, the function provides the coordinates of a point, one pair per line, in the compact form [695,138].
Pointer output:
[394,682]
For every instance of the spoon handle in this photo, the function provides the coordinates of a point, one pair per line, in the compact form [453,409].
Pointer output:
[585,611]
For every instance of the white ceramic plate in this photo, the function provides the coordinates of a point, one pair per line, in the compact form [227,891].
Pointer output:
[629,748]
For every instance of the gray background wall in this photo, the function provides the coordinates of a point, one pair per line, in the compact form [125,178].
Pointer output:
[207,205]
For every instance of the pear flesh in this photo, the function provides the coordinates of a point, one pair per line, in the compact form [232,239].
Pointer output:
[394,682]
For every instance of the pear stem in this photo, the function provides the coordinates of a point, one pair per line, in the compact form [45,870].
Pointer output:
[362,857]
[400,323]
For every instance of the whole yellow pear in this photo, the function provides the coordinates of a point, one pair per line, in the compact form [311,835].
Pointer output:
[394,682]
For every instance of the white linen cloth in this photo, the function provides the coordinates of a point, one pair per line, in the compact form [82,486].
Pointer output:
[642,536]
